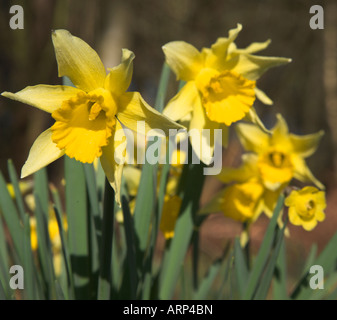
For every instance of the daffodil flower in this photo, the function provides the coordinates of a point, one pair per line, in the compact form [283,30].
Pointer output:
[281,155]
[245,197]
[220,86]
[306,207]
[88,115]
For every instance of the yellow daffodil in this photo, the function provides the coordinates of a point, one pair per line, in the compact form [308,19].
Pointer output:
[220,86]
[245,197]
[306,207]
[281,155]
[87,116]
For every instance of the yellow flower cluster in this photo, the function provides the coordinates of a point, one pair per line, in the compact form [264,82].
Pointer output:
[220,90]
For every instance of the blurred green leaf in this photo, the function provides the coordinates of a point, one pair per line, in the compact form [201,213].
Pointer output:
[18,196]
[262,257]
[240,264]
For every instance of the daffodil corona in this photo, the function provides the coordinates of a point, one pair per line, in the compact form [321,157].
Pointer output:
[88,115]
[220,86]
[306,207]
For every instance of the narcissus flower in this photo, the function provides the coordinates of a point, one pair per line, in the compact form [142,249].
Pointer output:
[245,197]
[306,207]
[281,155]
[87,116]
[220,86]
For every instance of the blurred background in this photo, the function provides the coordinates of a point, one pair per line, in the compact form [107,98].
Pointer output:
[305,91]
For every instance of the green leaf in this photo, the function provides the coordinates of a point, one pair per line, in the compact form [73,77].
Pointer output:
[11,217]
[44,248]
[41,190]
[240,265]
[280,276]
[28,263]
[261,259]
[18,196]
[77,217]
[175,255]
[265,282]
[162,88]
[104,282]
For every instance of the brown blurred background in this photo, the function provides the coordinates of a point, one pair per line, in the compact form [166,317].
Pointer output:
[305,91]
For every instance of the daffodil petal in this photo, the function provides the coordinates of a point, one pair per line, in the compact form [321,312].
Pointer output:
[119,78]
[263,97]
[182,103]
[115,150]
[133,108]
[255,47]
[306,145]
[184,59]
[44,97]
[202,141]
[78,61]
[43,152]
[216,56]
[253,67]
[252,137]
[253,117]
[303,173]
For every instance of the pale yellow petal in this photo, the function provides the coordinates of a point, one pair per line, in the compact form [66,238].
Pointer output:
[252,67]
[43,152]
[306,145]
[303,173]
[78,61]
[44,97]
[133,108]
[182,103]
[119,78]
[216,56]
[255,47]
[253,117]
[184,59]
[202,140]
[252,137]
[263,97]
[112,160]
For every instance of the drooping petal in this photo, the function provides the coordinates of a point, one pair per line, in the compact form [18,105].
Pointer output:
[78,61]
[253,117]
[182,103]
[44,97]
[184,59]
[132,108]
[43,152]
[306,145]
[303,173]
[252,137]
[113,158]
[216,56]
[252,67]
[201,134]
[263,97]
[119,78]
